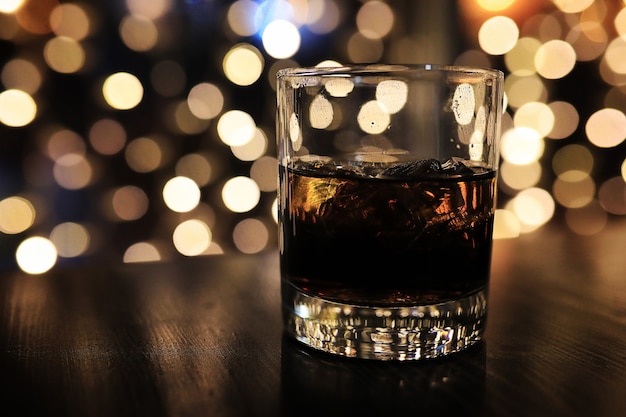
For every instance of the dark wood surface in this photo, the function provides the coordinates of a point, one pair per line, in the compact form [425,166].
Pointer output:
[203,337]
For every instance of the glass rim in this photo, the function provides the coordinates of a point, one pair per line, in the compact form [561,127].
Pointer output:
[387,69]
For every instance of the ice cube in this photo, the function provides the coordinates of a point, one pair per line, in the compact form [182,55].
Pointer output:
[413,169]
[455,166]
[371,165]
[427,168]
[313,160]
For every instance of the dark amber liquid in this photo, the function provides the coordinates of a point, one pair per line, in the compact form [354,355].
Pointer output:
[385,241]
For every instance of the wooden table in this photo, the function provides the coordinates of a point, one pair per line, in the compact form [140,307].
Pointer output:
[202,337]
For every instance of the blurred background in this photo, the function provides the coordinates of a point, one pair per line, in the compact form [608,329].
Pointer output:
[143,130]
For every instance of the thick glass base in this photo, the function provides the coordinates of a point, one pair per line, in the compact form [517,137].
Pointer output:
[385,333]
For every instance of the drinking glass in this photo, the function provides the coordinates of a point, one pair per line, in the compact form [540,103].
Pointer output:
[386,199]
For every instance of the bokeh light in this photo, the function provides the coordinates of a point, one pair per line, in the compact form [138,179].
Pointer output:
[181,194]
[575,193]
[520,59]
[21,74]
[192,237]
[151,9]
[63,142]
[555,59]
[521,145]
[252,149]
[196,167]
[241,194]
[139,33]
[606,128]
[281,39]
[521,90]
[572,162]
[236,128]
[64,55]
[107,137]
[70,239]
[250,236]
[520,177]
[324,16]
[241,19]
[498,35]
[34,16]
[36,255]
[17,214]
[122,91]
[363,49]
[70,20]
[572,6]
[143,154]
[17,108]
[141,252]
[506,225]
[184,121]
[243,64]
[264,172]
[612,195]
[205,100]
[536,116]
[375,19]
[534,207]
[587,220]
[10,6]
[129,202]
[566,119]
[620,22]
[495,5]
[72,171]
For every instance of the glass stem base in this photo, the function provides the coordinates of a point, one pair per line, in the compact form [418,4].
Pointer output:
[385,333]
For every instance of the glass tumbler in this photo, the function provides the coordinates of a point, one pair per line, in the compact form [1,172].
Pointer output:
[386,200]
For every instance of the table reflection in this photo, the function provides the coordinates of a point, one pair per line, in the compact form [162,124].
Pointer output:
[314,383]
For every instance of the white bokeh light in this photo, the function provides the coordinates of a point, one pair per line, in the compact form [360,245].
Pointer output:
[10,6]
[241,194]
[281,39]
[521,145]
[181,194]
[192,237]
[17,108]
[122,91]
[236,128]
[36,255]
